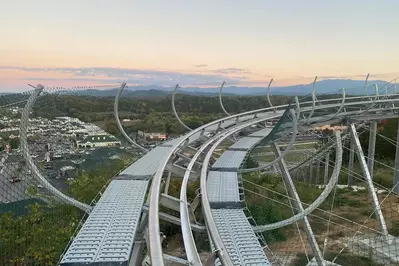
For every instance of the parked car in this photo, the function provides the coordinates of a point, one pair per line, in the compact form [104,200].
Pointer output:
[15,179]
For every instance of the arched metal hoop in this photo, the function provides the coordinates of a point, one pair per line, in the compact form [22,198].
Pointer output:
[220,99]
[322,197]
[313,100]
[287,149]
[174,109]
[118,121]
[28,158]
[268,94]
[365,84]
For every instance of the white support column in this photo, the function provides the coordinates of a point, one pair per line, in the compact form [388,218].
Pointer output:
[317,181]
[275,170]
[298,205]
[326,166]
[369,181]
[351,161]
[396,174]
[371,148]
[167,183]
[310,180]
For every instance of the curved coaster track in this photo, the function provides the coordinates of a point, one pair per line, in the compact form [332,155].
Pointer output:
[276,160]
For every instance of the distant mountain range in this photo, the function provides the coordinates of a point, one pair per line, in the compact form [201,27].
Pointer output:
[353,87]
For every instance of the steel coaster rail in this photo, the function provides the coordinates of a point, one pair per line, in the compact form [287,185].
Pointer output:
[292,141]
[342,103]
[156,255]
[188,238]
[118,121]
[261,228]
[28,158]
[213,232]
[192,254]
[320,199]
[154,232]
[329,145]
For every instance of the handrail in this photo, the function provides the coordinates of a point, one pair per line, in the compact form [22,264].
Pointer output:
[118,121]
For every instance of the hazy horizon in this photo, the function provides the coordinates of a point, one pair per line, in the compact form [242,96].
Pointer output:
[198,43]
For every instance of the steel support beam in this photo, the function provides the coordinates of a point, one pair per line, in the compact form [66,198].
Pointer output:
[176,220]
[196,202]
[137,254]
[326,166]
[296,201]
[174,204]
[186,159]
[371,148]
[351,161]
[275,170]
[180,170]
[369,181]
[396,174]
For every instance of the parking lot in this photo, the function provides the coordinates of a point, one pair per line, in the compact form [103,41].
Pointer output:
[11,192]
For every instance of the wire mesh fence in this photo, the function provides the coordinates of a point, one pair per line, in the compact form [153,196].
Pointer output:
[55,161]
[53,166]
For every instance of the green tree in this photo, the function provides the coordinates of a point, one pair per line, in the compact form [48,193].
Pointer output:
[40,236]
[14,143]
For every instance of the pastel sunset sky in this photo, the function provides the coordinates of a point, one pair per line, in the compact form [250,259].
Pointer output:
[195,43]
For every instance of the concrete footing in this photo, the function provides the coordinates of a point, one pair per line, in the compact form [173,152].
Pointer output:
[380,249]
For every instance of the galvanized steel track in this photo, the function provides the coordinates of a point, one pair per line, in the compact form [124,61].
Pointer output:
[308,210]
[232,124]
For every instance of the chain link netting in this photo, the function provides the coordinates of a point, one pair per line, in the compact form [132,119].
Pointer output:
[53,168]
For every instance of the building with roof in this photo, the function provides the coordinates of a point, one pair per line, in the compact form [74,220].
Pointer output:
[98,140]
[152,136]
